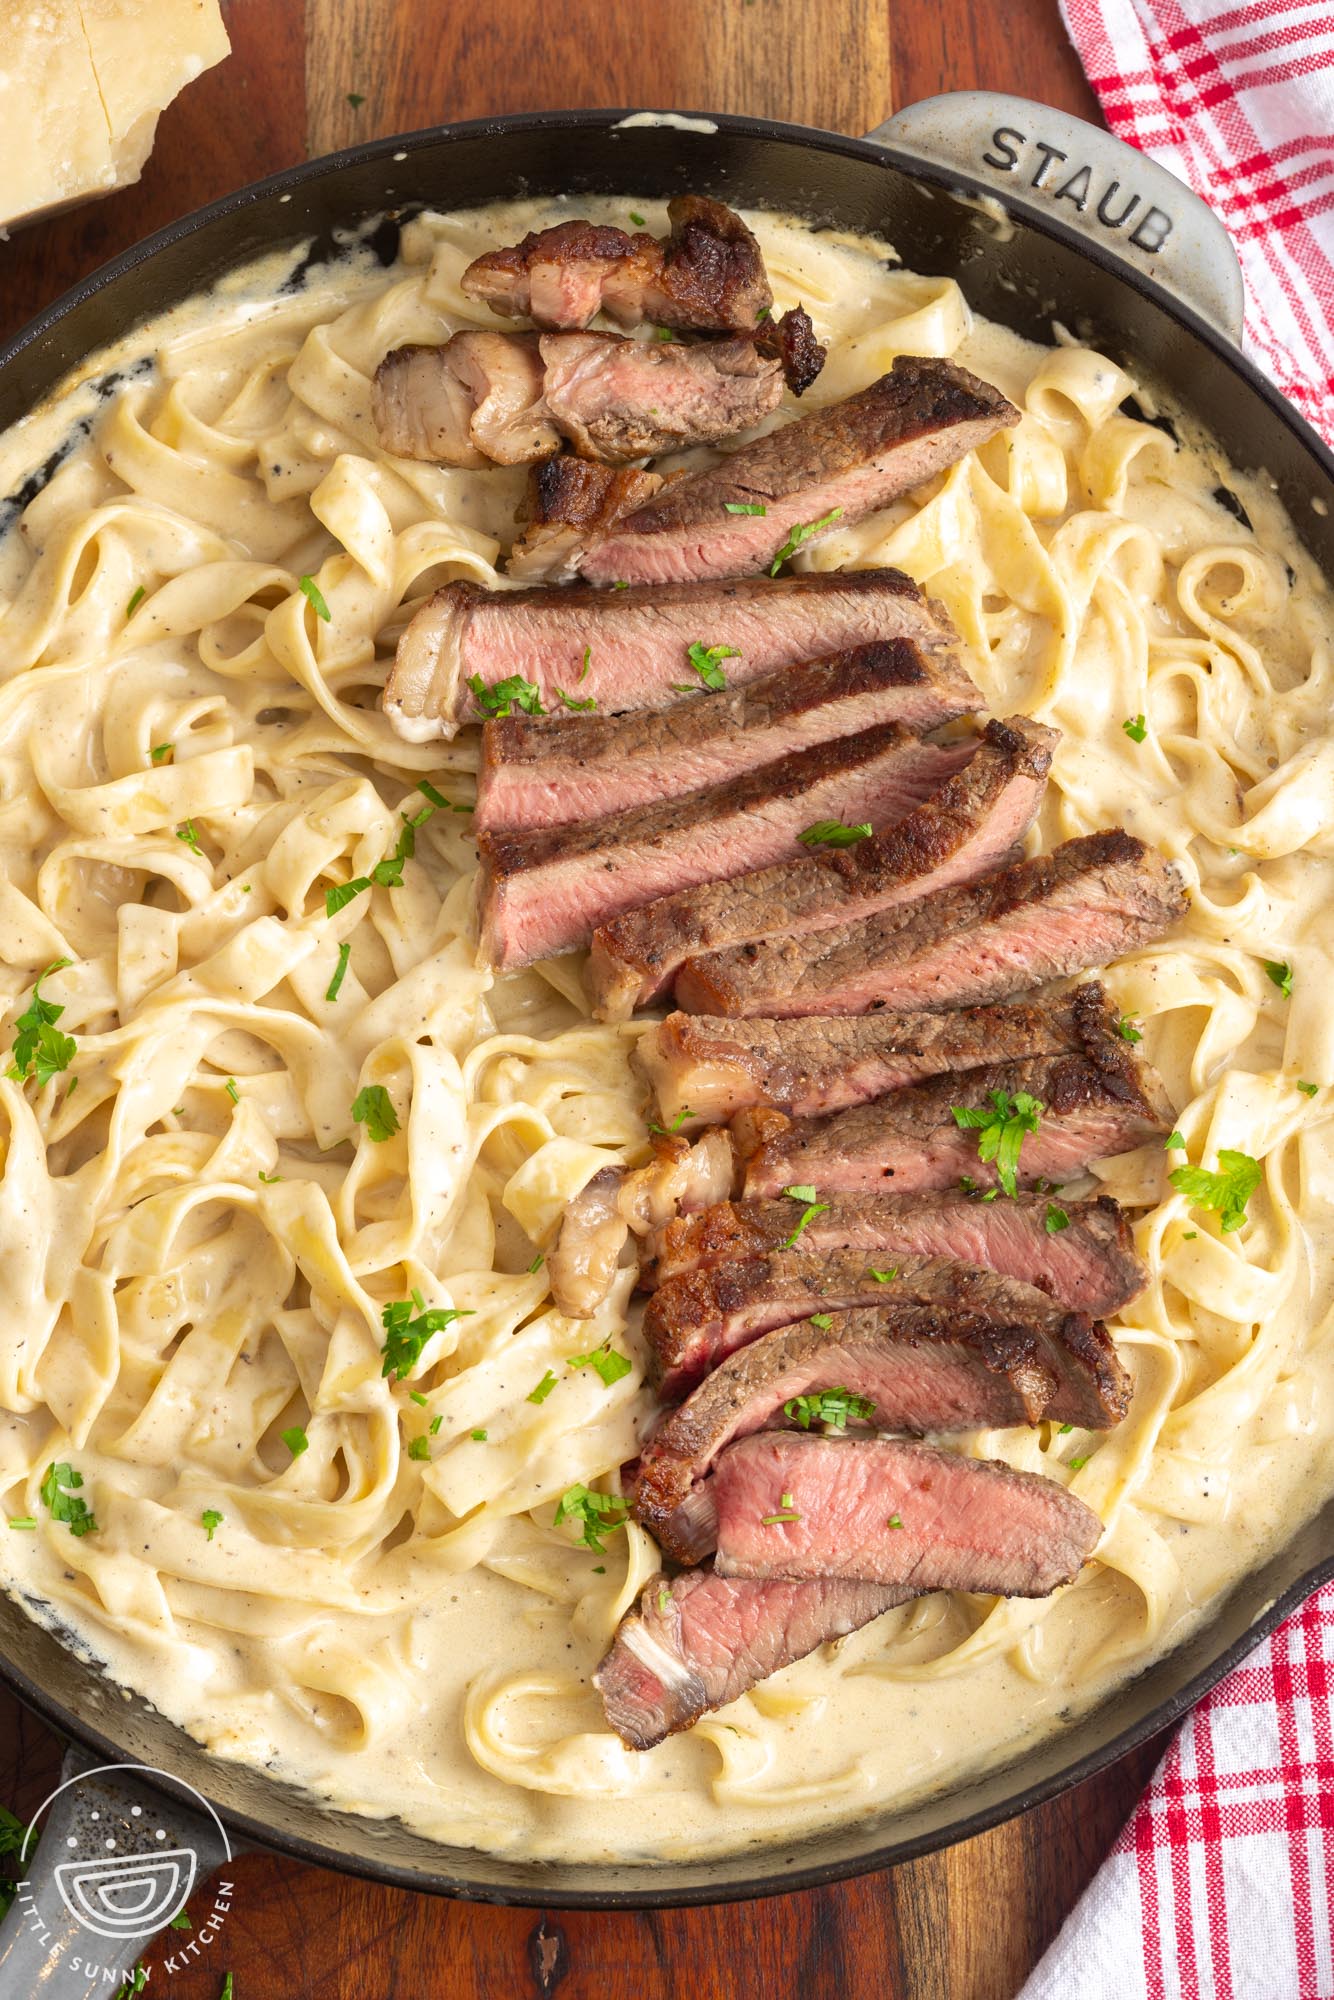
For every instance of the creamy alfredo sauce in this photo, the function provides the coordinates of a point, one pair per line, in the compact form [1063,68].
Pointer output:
[197,1238]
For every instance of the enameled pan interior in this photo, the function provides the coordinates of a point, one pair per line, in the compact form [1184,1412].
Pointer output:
[1039,274]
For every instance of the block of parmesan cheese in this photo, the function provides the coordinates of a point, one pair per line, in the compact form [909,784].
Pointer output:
[81,85]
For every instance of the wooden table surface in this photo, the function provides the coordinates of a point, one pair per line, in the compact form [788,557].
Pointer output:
[964,1925]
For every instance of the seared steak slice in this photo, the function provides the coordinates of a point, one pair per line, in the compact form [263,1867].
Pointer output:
[546,890]
[634,643]
[568,503]
[971,824]
[475,401]
[924,1368]
[693,1322]
[1088,902]
[800,354]
[705,1068]
[881,1511]
[1092,1108]
[548,770]
[697,1641]
[831,467]
[618,399]
[1088,1262]
[708,275]
[678,1178]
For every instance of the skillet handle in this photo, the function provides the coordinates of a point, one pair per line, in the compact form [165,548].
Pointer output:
[47,1948]
[1047,163]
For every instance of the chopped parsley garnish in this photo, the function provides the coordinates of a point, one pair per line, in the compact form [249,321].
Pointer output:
[419,1447]
[507,695]
[1136,728]
[833,833]
[663,333]
[1057,1219]
[884,1277]
[802,533]
[416,1396]
[355,99]
[808,1213]
[1189,1235]
[1281,973]
[373,1108]
[22,1521]
[1001,1131]
[676,1124]
[599,1513]
[1077,1464]
[40,1049]
[822,1320]
[232,1091]
[314,596]
[664,1597]
[408,1325]
[570,701]
[1127,1030]
[894,1521]
[295,1440]
[536,1264]
[1174,1143]
[787,1513]
[181,1921]
[1065,1430]
[340,971]
[60,1496]
[706,662]
[638,220]
[478,1437]
[269,1179]
[1307,1089]
[389,871]
[212,1520]
[186,832]
[610,1364]
[339,898]
[228,1992]
[543,1389]
[744,507]
[160,753]
[136,600]
[434,1426]
[588,650]
[1226,1191]
[833,1408]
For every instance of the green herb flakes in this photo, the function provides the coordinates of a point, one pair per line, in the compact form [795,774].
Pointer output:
[543,1389]
[373,1108]
[1136,728]
[313,595]
[40,1050]
[340,971]
[1281,973]
[833,833]
[1227,1191]
[802,533]
[408,1325]
[507,695]
[606,1360]
[60,1496]
[212,1520]
[597,1513]
[1001,1131]
[834,1408]
[296,1440]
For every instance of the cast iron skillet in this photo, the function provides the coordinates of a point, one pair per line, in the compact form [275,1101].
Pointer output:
[1158,285]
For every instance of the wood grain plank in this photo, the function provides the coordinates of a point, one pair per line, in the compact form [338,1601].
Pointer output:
[416,63]
[1020,47]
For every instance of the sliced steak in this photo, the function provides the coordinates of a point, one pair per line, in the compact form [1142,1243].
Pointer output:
[634,643]
[1091,1110]
[549,770]
[826,470]
[569,501]
[1088,1261]
[706,1068]
[1088,902]
[693,1322]
[677,1179]
[697,1641]
[922,1368]
[880,1511]
[970,825]
[708,275]
[545,891]
[477,400]
[618,399]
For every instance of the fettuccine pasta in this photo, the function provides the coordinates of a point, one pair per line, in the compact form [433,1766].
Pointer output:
[293,1115]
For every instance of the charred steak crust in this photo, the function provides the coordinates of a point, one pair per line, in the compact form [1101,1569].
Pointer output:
[792,340]
[918,396]
[635,956]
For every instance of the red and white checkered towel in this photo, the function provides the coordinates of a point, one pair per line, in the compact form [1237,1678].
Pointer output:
[1222,1885]
[1238,102]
